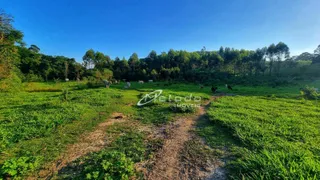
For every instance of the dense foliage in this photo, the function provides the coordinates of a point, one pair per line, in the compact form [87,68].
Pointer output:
[198,66]
[28,64]
[9,56]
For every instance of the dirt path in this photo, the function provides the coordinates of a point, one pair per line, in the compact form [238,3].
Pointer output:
[89,142]
[167,164]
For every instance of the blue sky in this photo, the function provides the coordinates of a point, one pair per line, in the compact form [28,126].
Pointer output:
[121,27]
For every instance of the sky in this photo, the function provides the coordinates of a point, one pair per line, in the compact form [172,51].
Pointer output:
[122,27]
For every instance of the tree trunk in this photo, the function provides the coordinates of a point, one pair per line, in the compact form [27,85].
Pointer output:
[270,68]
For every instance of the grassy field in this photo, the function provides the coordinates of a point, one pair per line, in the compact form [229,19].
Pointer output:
[38,123]
[268,136]
[268,132]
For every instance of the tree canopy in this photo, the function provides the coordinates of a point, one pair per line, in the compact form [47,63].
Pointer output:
[29,64]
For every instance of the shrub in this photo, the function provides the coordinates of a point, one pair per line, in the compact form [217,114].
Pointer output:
[93,82]
[116,161]
[19,166]
[132,145]
[109,165]
[309,93]
[104,74]
[33,78]
[65,93]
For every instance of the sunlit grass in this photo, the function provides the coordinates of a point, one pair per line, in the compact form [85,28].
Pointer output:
[265,127]
[273,138]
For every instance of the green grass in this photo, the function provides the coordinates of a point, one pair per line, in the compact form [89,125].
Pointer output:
[38,123]
[264,128]
[115,161]
[271,138]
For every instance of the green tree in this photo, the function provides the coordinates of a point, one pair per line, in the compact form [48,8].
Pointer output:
[66,69]
[34,48]
[9,56]
[258,59]
[79,69]
[195,60]
[282,53]
[29,61]
[152,60]
[215,60]
[316,58]
[99,60]
[134,65]
[154,74]
[89,58]
[271,53]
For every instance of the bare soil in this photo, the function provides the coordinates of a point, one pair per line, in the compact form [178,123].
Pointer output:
[167,162]
[88,142]
[184,155]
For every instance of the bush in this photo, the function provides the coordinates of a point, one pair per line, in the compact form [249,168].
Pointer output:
[18,166]
[93,82]
[33,78]
[109,165]
[132,145]
[117,160]
[65,93]
[309,93]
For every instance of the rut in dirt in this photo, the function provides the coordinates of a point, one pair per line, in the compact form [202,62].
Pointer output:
[89,142]
[167,163]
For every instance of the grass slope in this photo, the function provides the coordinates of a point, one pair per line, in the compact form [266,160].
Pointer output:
[270,138]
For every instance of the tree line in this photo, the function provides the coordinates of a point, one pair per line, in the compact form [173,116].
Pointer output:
[20,63]
[203,65]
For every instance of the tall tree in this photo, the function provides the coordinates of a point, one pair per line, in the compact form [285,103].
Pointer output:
[134,65]
[258,59]
[79,71]
[89,58]
[282,53]
[66,70]
[316,57]
[271,53]
[99,60]
[152,60]
[9,57]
